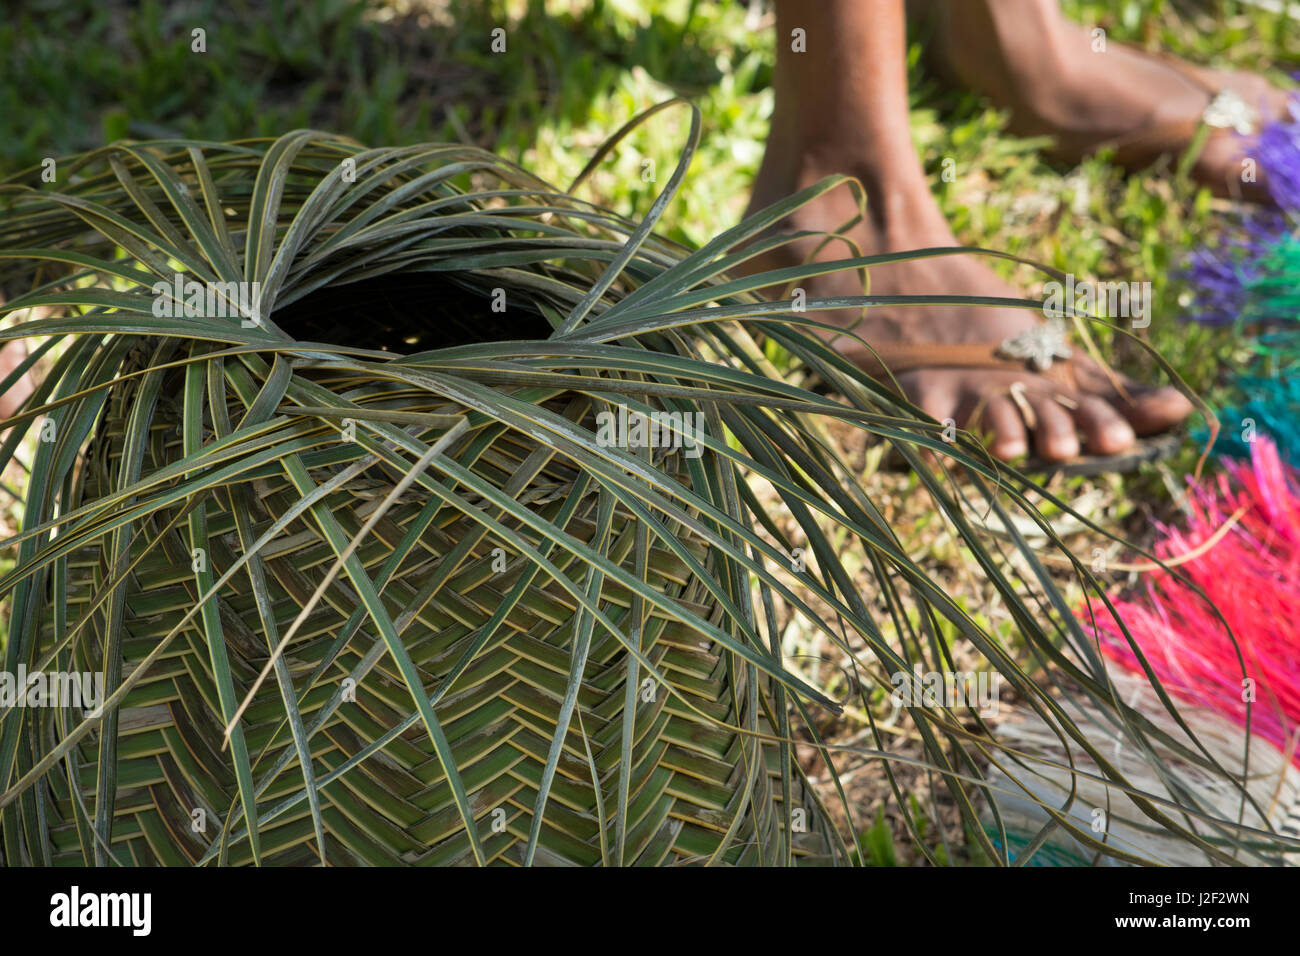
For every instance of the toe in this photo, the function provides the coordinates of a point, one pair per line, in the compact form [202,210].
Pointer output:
[933,395]
[1149,409]
[1054,434]
[1220,166]
[1105,431]
[1154,410]
[1002,418]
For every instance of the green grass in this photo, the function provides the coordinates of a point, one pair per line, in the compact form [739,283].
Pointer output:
[84,72]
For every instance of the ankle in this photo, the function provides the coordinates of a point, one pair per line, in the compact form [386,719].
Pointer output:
[1013,51]
[896,190]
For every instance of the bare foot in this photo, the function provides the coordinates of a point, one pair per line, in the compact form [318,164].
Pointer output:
[975,397]
[1061,80]
[841,108]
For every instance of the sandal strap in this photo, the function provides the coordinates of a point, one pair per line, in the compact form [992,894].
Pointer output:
[1161,139]
[895,358]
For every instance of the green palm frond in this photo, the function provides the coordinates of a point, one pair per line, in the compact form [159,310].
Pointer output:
[363,582]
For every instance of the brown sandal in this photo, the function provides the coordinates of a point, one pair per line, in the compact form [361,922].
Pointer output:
[1038,348]
[1226,114]
[1042,350]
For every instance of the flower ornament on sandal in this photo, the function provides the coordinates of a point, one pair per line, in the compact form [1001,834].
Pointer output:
[1229,111]
[1039,346]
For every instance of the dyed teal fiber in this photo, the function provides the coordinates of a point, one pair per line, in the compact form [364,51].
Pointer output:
[1274,293]
[1049,854]
[1271,409]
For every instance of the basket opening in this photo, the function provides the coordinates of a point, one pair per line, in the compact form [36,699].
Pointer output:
[409,312]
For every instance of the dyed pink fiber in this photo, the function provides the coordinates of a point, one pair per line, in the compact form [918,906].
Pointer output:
[1252,575]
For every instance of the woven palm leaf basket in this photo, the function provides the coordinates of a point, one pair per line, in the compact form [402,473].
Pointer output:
[394,507]
[358,583]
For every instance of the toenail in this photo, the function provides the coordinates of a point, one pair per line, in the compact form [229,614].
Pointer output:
[1119,434]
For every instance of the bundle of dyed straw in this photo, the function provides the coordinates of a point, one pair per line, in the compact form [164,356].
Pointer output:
[1220,630]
